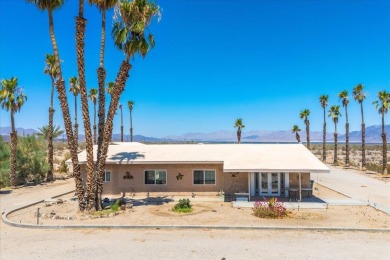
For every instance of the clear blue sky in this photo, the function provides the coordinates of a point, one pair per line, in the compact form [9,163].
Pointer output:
[214,61]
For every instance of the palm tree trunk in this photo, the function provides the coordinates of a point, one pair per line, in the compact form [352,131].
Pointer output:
[324,139]
[120,82]
[66,115]
[335,161]
[384,146]
[346,138]
[121,125]
[307,133]
[14,140]
[131,126]
[297,137]
[363,139]
[94,123]
[76,125]
[80,31]
[50,153]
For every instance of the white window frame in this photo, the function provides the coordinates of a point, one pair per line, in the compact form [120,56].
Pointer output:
[204,177]
[105,175]
[155,171]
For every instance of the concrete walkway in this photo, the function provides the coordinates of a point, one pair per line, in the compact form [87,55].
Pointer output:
[358,187]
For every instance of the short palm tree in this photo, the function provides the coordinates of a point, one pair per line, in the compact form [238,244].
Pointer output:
[12,99]
[296,130]
[110,87]
[129,36]
[334,113]
[52,71]
[359,96]
[324,104]
[93,97]
[44,131]
[75,90]
[239,125]
[305,116]
[130,104]
[383,105]
[343,95]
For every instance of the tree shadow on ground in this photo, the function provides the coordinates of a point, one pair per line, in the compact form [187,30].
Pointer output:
[126,156]
[155,201]
[5,191]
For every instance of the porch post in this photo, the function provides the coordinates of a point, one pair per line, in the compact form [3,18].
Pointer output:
[300,187]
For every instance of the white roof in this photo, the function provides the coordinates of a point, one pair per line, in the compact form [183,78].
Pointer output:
[234,157]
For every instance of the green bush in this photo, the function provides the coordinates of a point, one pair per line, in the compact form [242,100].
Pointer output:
[63,167]
[31,162]
[184,206]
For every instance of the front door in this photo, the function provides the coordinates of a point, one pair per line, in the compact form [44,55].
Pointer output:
[269,183]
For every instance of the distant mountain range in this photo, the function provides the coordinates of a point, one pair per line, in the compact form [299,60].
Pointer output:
[373,135]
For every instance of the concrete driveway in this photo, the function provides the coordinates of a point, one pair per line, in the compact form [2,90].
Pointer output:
[356,186]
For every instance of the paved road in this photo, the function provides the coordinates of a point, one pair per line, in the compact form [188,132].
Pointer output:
[356,186]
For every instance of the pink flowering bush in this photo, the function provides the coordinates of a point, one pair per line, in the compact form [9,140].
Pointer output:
[269,209]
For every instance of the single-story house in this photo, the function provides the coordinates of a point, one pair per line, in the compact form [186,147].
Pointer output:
[252,169]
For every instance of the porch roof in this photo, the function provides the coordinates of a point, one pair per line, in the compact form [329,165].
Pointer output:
[234,157]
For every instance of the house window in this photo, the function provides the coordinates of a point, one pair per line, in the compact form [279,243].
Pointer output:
[107,176]
[156,177]
[204,176]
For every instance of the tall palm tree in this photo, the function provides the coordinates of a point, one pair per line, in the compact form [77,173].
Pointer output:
[12,99]
[44,131]
[50,6]
[359,96]
[343,95]
[103,6]
[324,104]
[52,71]
[120,107]
[296,130]
[382,105]
[305,116]
[75,90]
[239,125]
[130,104]
[90,165]
[93,97]
[110,87]
[334,113]
[129,36]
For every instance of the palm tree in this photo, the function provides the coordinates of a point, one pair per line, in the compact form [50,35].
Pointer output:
[90,167]
[93,96]
[130,104]
[305,116]
[343,95]
[324,104]
[50,6]
[296,130]
[44,131]
[120,107]
[334,113]
[75,90]
[12,99]
[110,87]
[239,125]
[129,36]
[103,6]
[382,105]
[52,71]
[359,96]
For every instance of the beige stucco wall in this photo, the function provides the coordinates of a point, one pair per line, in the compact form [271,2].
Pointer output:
[294,180]
[224,181]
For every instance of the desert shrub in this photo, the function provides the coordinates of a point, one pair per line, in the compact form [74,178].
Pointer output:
[269,209]
[376,167]
[63,167]
[66,156]
[183,206]
[117,205]
[4,164]
[31,162]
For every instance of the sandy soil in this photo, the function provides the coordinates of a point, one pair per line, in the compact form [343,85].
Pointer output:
[147,212]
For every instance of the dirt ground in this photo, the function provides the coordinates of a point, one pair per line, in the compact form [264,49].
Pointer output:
[158,212]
